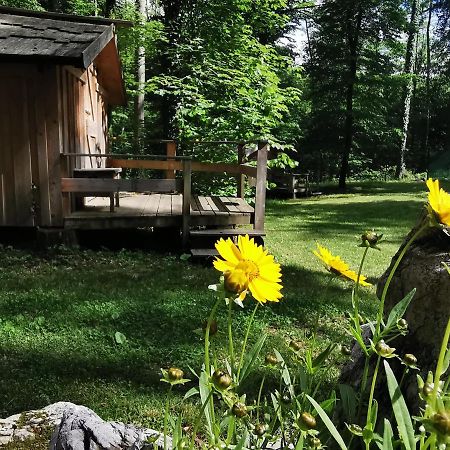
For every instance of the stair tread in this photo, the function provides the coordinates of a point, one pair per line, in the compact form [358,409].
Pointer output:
[227,232]
[204,252]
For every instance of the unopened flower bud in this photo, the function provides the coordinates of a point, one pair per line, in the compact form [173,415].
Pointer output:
[441,422]
[296,346]
[402,324]
[221,379]
[239,409]
[260,429]
[271,360]
[410,360]
[346,350]
[235,281]
[384,350]
[175,374]
[315,442]
[370,239]
[307,421]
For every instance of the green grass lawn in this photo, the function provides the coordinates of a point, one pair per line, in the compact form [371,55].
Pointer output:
[59,312]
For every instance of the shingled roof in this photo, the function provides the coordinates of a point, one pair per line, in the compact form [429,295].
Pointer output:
[43,37]
[68,42]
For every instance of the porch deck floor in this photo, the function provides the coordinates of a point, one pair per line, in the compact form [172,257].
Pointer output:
[159,210]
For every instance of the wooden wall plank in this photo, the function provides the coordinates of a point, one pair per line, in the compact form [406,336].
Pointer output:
[54,145]
[21,156]
[41,143]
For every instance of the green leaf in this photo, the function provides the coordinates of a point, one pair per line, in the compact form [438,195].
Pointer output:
[120,338]
[374,413]
[387,436]
[240,445]
[328,423]
[190,393]
[348,401]
[321,358]
[300,443]
[205,390]
[402,416]
[285,375]
[251,357]
[399,309]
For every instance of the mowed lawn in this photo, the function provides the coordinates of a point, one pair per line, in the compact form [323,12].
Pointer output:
[59,311]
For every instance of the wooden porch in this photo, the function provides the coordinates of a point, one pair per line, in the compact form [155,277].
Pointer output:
[159,210]
[113,203]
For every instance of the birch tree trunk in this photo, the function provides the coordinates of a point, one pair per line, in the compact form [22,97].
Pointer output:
[408,71]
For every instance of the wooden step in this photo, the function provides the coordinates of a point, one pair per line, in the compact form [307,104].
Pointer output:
[219,232]
[204,252]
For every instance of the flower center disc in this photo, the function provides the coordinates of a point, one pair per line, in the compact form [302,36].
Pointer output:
[249,268]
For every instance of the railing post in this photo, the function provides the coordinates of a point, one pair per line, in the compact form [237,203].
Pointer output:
[171,151]
[241,177]
[261,178]
[187,174]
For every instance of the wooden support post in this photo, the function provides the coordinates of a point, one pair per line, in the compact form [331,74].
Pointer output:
[187,174]
[171,151]
[241,177]
[261,178]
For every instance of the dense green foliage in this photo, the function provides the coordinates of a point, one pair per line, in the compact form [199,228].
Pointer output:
[231,69]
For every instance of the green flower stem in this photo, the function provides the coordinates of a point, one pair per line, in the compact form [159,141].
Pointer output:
[166,417]
[358,278]
[259,397]
[208,326]
[241,359]
[391,275]
[372,389]
[363,384]
[440,365]
[230,338]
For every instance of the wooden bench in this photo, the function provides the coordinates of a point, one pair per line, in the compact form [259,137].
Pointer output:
[291,184]
[101,173]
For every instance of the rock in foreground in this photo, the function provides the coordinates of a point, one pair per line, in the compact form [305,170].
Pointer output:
[78,428]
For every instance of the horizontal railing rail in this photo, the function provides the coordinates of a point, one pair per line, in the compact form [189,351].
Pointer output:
[107,185]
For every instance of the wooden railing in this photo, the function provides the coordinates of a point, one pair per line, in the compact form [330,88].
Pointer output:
[170,163]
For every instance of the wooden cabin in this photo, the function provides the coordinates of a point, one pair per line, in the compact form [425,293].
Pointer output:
[59,74]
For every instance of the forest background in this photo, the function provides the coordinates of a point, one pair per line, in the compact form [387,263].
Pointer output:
[366,95]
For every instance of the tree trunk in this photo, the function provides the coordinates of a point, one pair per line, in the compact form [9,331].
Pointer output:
[353,32]
[140,79]
[427,87]
[408,71]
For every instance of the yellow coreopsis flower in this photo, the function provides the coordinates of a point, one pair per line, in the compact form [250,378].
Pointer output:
[335,265]
[248,267]
[439,202]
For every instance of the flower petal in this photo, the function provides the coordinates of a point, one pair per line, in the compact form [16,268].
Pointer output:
[228,251]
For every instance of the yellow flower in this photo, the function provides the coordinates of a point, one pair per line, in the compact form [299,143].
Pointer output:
[334,264]
[439,201]
[248,266]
